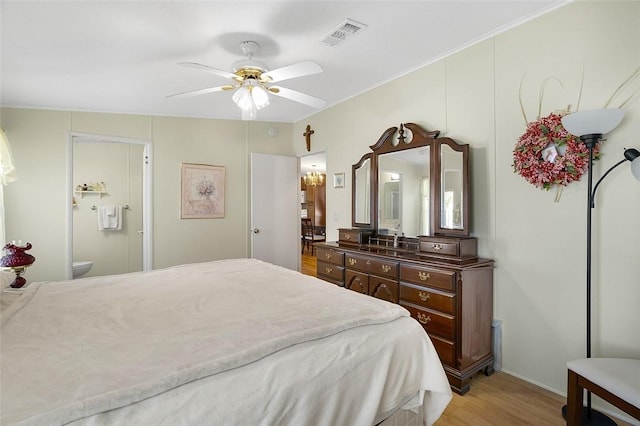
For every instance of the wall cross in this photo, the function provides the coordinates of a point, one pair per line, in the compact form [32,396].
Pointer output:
[307,135]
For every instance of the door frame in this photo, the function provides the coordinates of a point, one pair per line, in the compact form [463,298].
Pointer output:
[147,194]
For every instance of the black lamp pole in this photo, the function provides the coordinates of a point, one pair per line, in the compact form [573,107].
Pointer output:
[593,417]
[591,141]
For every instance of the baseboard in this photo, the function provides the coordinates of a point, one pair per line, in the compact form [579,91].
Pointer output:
[609,410]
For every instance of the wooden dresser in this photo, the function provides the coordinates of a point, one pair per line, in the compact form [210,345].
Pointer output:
[439,280]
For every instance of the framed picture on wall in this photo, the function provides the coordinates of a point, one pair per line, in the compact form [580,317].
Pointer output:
[202,191]
[338,180]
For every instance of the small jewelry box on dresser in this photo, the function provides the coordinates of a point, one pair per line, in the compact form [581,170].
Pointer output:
[453,249]
[354,236]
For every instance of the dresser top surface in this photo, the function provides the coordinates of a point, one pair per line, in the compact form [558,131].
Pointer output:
[406,255]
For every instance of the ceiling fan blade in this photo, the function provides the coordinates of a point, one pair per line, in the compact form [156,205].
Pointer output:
[207,68]
[292,71]
[298,97]
[201,91]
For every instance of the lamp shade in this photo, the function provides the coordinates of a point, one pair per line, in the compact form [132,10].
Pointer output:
[16,256]
[633,155]
[597,121]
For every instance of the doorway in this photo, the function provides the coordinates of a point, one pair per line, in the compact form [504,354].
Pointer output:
[313,194]
[105,172]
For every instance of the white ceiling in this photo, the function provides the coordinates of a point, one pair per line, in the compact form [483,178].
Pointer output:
[120,56]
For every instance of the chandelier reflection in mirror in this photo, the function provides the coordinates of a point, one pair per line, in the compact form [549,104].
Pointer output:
[313,178]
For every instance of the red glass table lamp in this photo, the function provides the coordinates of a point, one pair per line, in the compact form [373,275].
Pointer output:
[17,260]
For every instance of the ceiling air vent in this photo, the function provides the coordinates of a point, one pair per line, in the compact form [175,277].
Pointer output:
[343,32]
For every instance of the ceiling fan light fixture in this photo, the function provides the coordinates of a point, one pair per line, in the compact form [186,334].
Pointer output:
[250,97]
[249,114]
[260,97]
[242,98]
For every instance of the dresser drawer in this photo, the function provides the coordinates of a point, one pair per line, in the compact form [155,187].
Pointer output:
[446,350]
[431,299]
[357,281]
[428,277]
[454,247]
[437,323]
[354,236]
[331,271]
[383,288]
[330,255]
[381,268]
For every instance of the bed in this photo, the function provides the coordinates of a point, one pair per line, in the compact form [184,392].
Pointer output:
[230,342]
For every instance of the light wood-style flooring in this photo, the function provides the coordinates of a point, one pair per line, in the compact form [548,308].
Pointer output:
[497,400]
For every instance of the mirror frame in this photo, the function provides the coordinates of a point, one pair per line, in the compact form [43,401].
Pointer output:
[354,169]
[437,190]
[419,138]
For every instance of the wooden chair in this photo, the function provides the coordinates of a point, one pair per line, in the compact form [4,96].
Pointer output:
[309,237]
[616,380]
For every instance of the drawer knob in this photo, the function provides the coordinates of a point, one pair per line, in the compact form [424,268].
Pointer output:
[424,319]
[424,276]
[347,236]
[352,261]
[328,255]
[328,270]
[424,296]
[386,268]
[368,262]
[437,247]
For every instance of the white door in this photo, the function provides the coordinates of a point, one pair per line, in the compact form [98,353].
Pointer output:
[275,215]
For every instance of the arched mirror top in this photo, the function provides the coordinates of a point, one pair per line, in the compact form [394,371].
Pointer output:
[416,137]
[418,184]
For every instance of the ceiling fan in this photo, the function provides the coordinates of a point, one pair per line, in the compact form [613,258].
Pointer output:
[252,82]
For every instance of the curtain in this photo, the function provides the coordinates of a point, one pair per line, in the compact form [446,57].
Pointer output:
[7,175]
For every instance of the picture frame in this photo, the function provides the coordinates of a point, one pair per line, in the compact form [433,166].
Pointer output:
[202,191]
[338,180]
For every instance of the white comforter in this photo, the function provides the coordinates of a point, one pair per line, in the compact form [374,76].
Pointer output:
[74,350]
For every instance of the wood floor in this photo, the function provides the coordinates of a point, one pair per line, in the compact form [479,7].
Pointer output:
[497,400]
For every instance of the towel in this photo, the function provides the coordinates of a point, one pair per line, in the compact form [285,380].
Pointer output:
[109,218]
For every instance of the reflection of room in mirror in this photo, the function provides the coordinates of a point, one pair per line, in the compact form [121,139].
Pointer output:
[403,192]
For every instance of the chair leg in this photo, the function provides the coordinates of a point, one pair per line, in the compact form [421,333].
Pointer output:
[574,400]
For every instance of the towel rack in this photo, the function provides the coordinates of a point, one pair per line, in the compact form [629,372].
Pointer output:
[94,207]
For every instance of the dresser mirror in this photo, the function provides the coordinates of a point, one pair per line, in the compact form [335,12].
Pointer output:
[403,192]
[412,184]
[361,192]
[453,210]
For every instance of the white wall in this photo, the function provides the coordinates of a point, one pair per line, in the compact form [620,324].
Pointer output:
[539,245]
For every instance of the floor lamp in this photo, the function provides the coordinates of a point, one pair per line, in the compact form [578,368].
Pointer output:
[590,126]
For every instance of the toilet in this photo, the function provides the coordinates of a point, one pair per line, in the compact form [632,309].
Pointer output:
[81,267]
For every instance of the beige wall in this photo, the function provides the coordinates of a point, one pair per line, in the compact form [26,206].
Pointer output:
[471,96]
[35,203]
[539,245]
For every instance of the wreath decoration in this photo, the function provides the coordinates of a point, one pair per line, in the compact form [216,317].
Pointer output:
[547,155]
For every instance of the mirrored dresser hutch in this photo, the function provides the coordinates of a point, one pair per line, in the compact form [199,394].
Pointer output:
[409,244]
